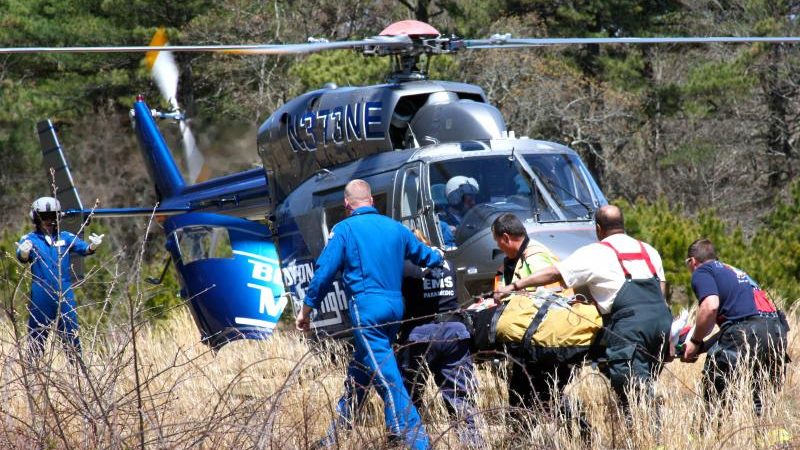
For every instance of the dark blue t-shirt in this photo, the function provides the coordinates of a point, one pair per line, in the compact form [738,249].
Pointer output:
[427,292]
[733,287]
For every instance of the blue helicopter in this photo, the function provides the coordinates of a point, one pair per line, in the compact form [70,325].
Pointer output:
[225,257]
[244,245]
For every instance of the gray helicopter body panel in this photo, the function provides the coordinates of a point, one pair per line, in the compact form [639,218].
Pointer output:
[327,127]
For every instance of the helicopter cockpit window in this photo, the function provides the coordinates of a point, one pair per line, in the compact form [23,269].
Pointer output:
[470,193]
[336,212]
[203,242]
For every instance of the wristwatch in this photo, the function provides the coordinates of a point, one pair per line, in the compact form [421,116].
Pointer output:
[695,341]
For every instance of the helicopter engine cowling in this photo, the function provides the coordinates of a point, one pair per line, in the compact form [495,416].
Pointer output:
[332,126]
[447,118]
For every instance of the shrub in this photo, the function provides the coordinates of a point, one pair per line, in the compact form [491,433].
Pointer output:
[771,256]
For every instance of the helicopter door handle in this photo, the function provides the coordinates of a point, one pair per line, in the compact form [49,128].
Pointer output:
[471,270]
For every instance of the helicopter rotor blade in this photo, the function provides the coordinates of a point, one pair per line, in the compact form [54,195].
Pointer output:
[505,41]
[318,45]
[164,71]
[399,43]
[393,42]
[163,68]
[195,161]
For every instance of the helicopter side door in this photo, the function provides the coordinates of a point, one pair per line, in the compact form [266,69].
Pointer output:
[412,206]
[325,210]
[229,272]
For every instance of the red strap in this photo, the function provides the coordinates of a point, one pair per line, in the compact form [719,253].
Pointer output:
[642,255]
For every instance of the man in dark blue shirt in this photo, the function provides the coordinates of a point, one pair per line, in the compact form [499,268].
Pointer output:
[749,325]
[370,250]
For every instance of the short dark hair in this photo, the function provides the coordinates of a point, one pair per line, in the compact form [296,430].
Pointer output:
[702,250]
[508,223]
[610,218]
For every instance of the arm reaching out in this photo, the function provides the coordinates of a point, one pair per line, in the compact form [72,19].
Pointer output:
[95,241]
[706,316]
[24,250]
[539,278]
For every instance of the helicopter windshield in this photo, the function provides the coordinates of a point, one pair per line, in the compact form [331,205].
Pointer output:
[469,193]
[560,173]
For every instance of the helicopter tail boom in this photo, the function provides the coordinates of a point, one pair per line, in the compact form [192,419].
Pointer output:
[160,163]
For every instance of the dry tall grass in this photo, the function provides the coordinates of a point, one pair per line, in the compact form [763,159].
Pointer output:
[280,394]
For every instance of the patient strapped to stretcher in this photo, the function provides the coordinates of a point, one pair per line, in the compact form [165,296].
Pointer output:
[548,326]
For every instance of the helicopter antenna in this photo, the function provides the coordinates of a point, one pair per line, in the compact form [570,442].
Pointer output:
[414,142]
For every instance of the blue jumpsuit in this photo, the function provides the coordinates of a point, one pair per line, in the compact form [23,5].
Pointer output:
[370,250]
[52,298]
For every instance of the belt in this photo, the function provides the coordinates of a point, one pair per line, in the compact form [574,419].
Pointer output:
[450,316]
[759,315]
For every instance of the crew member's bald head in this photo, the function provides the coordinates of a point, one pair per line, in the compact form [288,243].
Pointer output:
[357,193]
[609,221]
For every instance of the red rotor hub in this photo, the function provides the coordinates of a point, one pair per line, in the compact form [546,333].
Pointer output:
[412,28]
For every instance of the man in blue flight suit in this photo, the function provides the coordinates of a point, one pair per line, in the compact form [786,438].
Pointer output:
[52,300]
[370,249]
[433,335]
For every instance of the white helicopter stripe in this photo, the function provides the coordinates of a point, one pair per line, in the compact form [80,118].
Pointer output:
[253,255]
[254,322]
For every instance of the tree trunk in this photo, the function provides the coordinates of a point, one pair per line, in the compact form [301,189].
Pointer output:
[777,93]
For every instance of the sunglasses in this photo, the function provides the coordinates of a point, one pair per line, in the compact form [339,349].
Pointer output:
[688,261]
[48,216]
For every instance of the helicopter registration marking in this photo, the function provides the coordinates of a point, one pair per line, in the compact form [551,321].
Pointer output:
[350,122]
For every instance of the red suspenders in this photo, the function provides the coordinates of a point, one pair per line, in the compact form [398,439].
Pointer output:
[642,255]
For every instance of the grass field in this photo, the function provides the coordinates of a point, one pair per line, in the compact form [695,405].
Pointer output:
[280,393]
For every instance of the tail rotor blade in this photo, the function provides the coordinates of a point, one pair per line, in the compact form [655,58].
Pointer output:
[165,72]
[163,68]
[195,162]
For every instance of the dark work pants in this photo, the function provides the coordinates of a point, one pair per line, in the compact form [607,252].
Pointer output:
[757,341]
[637,337]
[534,387]
[443,348]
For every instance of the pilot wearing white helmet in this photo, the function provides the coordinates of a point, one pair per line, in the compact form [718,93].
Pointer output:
[48,251]
[460,191]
